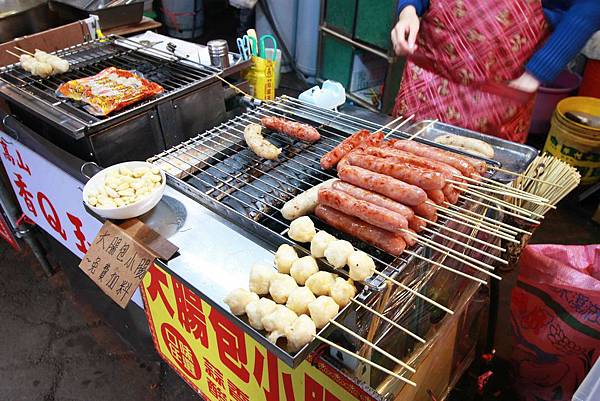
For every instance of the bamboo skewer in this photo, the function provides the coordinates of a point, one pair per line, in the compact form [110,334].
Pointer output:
[387,319]
[470,237]
[488,205]
[23,50]
[500,191]
[365,360]
[419,132]
[415,293]
[489,221]
[478,226]
[13,54]
[450,269]
[388,125]
[496,258]
[375,347]
[521,175]
[494,199]
[474,217]
[454,254]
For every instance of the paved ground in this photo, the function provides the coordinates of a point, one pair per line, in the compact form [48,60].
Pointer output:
[55,348]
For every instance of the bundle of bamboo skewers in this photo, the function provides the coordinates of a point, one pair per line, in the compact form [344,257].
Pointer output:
[548,177]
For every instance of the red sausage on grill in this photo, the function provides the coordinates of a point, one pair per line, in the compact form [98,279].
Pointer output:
[450,193]
[425,179]
[391,243]
[331,158]
[416,224]
[373,140]
[408,238]
[385,185]
[374,198]
[426,210]
[437,196]
[367,212]
[430,152]
[303,132]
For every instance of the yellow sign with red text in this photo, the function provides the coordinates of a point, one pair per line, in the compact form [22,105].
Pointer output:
[220,362]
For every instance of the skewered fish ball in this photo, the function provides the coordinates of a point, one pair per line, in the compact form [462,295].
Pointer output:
[361,266]
[59,65]
[320,242]
[302,229]
[256,310]
[281,287]
[337,253]
[41,69]
[320,283]
[41,56]
[322,310]
[285,256]
[303,268]
[300,333]
[260,278]
[278,321]
[299,299]
[238,299]
[26,62]
[342,291]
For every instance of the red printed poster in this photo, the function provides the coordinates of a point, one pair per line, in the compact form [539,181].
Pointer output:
[6,233]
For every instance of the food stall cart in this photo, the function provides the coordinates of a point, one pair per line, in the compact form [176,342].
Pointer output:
[410,331]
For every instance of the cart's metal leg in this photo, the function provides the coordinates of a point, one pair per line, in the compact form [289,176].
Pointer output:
[37,249]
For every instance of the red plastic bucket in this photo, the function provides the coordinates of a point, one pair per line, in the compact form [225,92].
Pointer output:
[590,86]
[548,97]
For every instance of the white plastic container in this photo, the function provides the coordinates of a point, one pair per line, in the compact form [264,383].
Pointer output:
[330,96]
[126,212]
[589,389]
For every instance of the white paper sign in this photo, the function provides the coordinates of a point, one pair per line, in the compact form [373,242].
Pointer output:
[49,196]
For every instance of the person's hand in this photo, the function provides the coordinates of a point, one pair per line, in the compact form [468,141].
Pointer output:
[526,83]
[404,34]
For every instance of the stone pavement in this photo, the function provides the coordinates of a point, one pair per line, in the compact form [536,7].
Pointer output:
[54,348]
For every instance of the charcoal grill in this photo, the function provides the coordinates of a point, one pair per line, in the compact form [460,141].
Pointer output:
[218,170]
[193,101]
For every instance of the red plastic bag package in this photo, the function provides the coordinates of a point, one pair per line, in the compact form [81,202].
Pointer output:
[555,314]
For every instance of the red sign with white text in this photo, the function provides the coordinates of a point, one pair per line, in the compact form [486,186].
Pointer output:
[48,196]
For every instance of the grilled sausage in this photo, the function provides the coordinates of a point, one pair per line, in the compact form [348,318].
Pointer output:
[304,203]
[367,212]
[389,242]
[476,146]
[392,188]
[408,238]
[450,193]
[258,144]
[425,179]
[303,132]
[331,158]
[374,198]
[426,210]
[430,152]
[416,224]
[373,140]
[437,196]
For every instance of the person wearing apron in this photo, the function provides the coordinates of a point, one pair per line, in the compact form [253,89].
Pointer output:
[477,64]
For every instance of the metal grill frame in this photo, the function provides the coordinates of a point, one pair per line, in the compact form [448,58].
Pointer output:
[88,59]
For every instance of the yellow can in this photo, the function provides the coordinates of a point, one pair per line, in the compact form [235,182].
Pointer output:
[575,143]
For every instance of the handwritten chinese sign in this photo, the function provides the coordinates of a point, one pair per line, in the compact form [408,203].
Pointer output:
[220,362]
[116,262]
[48,196]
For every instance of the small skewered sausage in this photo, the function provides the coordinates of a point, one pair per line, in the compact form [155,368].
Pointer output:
[304,203]
[389,242]
[367,212]
[426,210]
[450,193]
[437,196]
[409,238]
[331,158]
[385,185]
[258,144]
[372,140]
[416,224]
[303,132]
[430,152]
[374,198]
[425,179]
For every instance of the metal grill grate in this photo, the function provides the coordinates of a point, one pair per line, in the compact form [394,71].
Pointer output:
[90,58]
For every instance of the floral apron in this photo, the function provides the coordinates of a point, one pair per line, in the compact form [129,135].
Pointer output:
[467,51]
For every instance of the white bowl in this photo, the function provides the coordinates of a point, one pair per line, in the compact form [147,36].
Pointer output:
[129,211]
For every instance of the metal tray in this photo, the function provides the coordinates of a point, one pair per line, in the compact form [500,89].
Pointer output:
[110,16]
[509,155]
